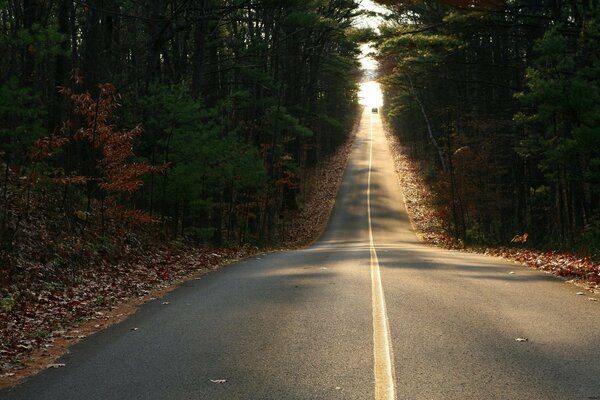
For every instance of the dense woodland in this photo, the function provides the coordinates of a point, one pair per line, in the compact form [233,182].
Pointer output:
[501,104]
[141,141]
[195,120]
[198,120]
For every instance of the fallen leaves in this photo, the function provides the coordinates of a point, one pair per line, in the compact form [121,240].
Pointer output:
[426,220]
[317,198]
[46,314]
[558,263]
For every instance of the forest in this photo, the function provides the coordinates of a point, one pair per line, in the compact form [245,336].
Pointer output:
[142,141]
[193,121]
[499,102]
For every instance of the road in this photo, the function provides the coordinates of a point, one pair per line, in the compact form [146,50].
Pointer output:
[368,312]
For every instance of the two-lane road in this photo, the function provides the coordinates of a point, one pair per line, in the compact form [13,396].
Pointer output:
[368,312]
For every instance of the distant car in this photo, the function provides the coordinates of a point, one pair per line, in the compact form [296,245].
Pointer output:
[374,110]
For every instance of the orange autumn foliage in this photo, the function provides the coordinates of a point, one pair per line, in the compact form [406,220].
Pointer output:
[117,173]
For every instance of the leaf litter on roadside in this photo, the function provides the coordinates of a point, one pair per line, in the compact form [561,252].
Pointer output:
[46,312]
[45,307]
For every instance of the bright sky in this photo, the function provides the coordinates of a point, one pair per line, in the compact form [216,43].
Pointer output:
[372,22]
[371,6]
[370,93]
[366,61]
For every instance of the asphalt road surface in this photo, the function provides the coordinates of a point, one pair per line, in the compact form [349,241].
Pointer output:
[368,312]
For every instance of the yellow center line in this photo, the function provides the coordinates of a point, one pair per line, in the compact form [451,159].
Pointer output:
[385,388]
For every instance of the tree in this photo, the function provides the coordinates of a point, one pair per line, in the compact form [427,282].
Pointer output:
[456,74]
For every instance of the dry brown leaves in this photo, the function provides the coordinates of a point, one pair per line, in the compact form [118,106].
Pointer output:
[583,270]
[426,220]
[51,315]
[322,187]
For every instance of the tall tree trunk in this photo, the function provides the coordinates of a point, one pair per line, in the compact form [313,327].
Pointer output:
[30,15]
[428,124]
[198,57]
[61,66]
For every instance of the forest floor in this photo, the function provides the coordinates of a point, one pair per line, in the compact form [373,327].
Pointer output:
[64,306]
[311,219]
[429,226]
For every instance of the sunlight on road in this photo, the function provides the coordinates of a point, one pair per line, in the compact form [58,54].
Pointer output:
[370,94]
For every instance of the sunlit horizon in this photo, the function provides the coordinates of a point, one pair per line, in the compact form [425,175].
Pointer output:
[370,91]
[370,94]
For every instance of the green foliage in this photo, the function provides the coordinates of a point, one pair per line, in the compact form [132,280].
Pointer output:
[278,121]
[410,47]
[21,120]
[308,19]
[520,88]
[41,41]
[238,98]
[590,238]
[205,154]
[7,304]
[360,35]
[564,100]
[200,234]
